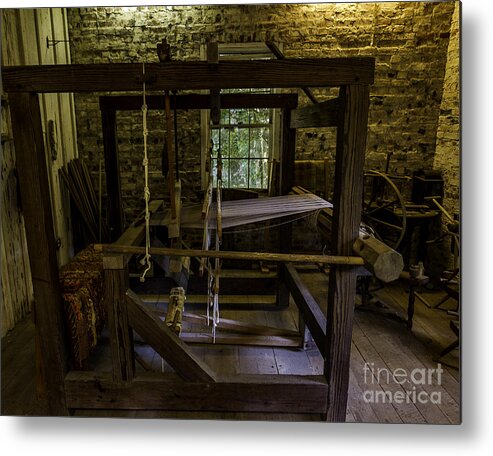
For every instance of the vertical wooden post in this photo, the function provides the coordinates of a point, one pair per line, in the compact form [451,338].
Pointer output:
[121,340]
[36,206]
[348,188]
[286,175]
[112,170]
[288,150]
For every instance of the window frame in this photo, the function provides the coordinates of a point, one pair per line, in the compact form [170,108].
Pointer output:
[240,51]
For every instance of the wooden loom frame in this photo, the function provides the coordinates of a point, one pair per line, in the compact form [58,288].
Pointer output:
[195,387]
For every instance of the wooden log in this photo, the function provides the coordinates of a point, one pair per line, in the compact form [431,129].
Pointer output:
[198,101]
[310,310]
[382,261]
[166,342]
[348,190]
[325,114]
[346,260]
[241,393]
[32,171]
[122,77]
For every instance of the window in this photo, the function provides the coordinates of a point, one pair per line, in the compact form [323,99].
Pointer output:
[245,138]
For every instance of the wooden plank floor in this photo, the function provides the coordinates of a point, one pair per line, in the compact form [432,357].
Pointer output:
[381,342]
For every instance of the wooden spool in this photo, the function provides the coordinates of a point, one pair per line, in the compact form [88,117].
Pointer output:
[382,261]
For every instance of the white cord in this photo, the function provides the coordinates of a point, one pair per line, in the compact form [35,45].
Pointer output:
[147,194]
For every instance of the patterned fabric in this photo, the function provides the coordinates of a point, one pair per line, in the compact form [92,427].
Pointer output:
[81,282]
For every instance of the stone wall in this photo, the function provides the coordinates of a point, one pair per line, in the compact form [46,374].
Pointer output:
[408,39]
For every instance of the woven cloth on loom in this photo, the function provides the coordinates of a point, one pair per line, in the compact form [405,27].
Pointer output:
[242,212]
[81,282]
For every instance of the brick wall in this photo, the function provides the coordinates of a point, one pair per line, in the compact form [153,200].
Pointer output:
[447,156]
[409,41]
[448,131]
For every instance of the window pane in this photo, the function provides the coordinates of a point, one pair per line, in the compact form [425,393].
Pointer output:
[260,116]
[259,142]
[226,181]
[238,116]
[224,116]
[239,173]
[242,140]
[258,173]
[224,143]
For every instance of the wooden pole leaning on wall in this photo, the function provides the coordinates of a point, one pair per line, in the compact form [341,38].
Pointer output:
[36,206]
[348,189]
[121,339]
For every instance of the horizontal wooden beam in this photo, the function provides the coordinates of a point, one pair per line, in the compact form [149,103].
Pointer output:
[223,338]
[226,324]
[312,314]
[325,114]
[121,77]
[156,391]
[197,101]
[225,255]
[166,342]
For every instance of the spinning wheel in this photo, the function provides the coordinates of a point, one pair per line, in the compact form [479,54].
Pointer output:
[384,209]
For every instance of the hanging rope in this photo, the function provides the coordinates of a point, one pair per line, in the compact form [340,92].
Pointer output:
[147,194]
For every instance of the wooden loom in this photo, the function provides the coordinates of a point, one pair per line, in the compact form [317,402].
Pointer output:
[195,387]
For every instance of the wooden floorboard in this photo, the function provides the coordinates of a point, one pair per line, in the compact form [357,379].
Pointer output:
[379,340]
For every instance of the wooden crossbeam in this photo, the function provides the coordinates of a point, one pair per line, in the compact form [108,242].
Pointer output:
[166,342]
[241,393]
[325,114]
[227,255]
[198,101]
[312,313]
[221,338]
[116,77]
